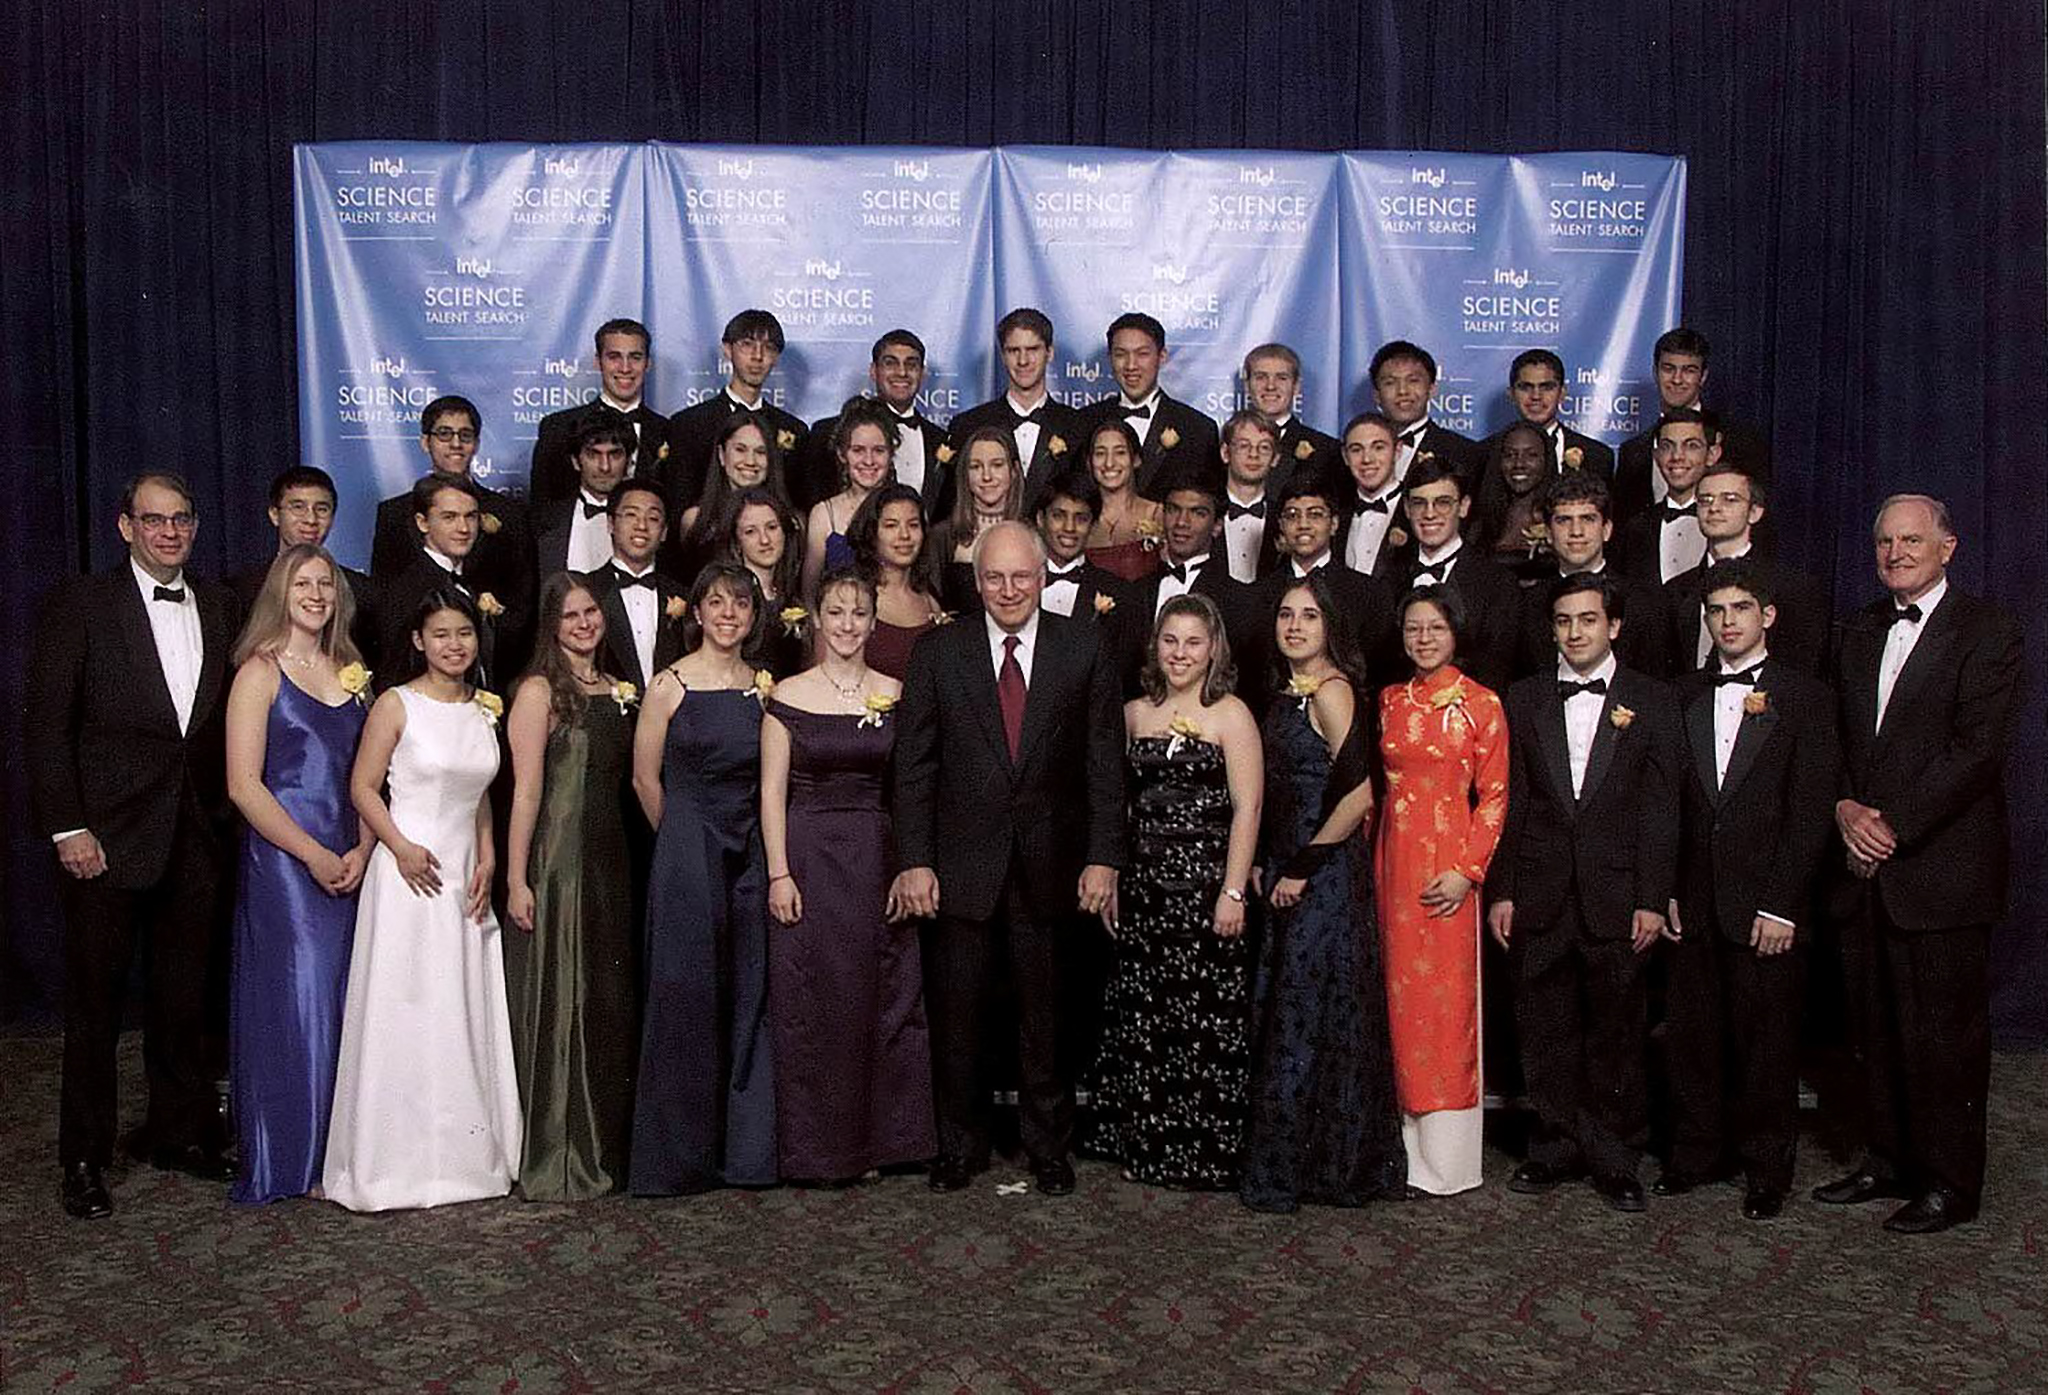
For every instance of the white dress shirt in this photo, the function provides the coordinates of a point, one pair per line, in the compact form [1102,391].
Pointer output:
[1582,716]
[642,605]
[1060,599]
[1680,543]
[1407,441]
[626,409]
[590,538]
[1026,433]
[1302,573]
[1027,645]
[1242,536]
[1728,719]
[447,564]
[1448,556]
[909,457]
[1141,425]
[180,647]
[1899,643]
[1368,530]
[1171,586]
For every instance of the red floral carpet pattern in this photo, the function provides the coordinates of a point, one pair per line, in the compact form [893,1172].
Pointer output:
[889,1288]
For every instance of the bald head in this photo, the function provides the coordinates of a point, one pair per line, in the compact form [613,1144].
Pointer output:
[1009,572]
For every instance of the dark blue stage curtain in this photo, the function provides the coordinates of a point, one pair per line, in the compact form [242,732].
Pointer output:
[1866,229]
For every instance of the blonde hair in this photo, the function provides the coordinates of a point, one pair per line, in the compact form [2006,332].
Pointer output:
[270,625]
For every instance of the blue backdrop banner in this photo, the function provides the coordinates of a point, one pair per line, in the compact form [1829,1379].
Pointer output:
[482,269]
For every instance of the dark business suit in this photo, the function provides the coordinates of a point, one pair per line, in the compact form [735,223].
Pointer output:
[552,523]
[500,563]
[1007,838]
[1637,544]
[690,435]
[366,630]
[816,476]
[1753,841]
[1062,443]
[1595,457]
[403,591]
[551,474]
[619,648]
[1195,449]
[105,754]
[1577,868]
[1643,645]
[1918,933]
[1636,465]
[1798,637]
[1493,609]
[1463,454]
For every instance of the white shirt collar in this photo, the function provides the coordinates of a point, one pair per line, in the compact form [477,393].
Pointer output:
[1712,560]
[1755,660]
[616,405]
[148,583]
[1927,603]
[1053,568]
[1023,409]
[590,498]
[1300,571]
[741,402]
[628,568]
[1247,502]
[1605,672]
[1451,550]
[442,560]
[1280,422]
[1027,633]
[1151,399]
[1593,570]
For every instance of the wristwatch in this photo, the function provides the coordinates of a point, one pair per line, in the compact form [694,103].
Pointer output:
[1235,893]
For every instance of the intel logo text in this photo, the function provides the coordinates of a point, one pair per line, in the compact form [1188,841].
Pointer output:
[738,169]
[919,170]
[561,164]
[1167,271]
[1602,180]
[389,367]
[1087,174]
[387,164]
[561,367]
[1510,276]
[479,267]
[1255,174]
[1433,177]
[819,267]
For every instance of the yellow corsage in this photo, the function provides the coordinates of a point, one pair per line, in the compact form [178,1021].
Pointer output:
[1150,533]
[677,608]
[488,604]
[625,695]
[1303,450]
[1104,603]
[764,685]
[492,523]
[1573,457]
[793,617]
[942,617]
[1757,703]
[662,454]
[945,455]
[1621,717]
[491,705]
[1301,687]
[786,439]
[1451,703]
[1182,730]
[1058,445]
[1169,438]
[1397,537]
[355,681]
[878,705]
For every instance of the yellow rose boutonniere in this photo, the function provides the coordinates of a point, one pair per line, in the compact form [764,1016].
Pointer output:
[490,605]
[1182,730]
[1757,703]
[1168,439]
[355,681]
[677,608]
[786,439]
[1621,717]
[945,455]
[492,523]
[662,454]
[492,706]
[1397,537]
[764,686]
[1104,603]
[1058,445]
[1303,450]
[793,618]
[878,705]
[1573,457]
[625,695]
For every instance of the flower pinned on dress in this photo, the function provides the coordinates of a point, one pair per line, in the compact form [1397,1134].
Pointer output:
[1573,457]
[1150,533]
[490,704]
[1058,445]
[492,523]
[1168,439]
[1451,703]
[1621,717]
[488,604]
[879,705]
[1104,603]
[355,681]
[625,695]
[1183,730]
[677,608]
[764,686]
[786,439]
[945,455]
[793,618]
[1536,536]
[1304,449]
[1301,687]
[1756,703]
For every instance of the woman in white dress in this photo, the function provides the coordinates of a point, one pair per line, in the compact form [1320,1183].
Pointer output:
[426,1103]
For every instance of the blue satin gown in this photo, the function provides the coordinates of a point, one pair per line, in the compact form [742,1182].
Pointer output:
[291,951]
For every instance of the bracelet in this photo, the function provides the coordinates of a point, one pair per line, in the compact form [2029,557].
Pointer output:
[782,877]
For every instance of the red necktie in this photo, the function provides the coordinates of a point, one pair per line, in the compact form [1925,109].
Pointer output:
[1010,693]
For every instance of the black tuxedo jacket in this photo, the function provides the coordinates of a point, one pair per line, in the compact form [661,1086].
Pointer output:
[551,520]
[402,593]
[1643,645]
[1195,444]
[1493,610]
[1465,455]
[1937,769]
[1635,547]
[1237,601]
[816,476]
[1062,443]
[1636,464]
[1365,607]
[1093,581]
[1303,448]
[967,811]
[1616,844]
[1268,557]
[501,563]
[691,432]
[104,750]
[367,631]
[618,632]
[1757,840]
[1397,548]
[1799,638]
[552,473]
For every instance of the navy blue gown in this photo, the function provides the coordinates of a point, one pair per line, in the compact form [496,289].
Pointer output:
[704,1107]
[292,940]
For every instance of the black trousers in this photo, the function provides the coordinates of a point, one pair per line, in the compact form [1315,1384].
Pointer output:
[1921,1009]
[962,961]
[174,922]
[1731,1055]
[1582,1011]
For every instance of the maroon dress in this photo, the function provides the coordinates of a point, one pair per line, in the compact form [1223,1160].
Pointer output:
[889,646]
[845,988]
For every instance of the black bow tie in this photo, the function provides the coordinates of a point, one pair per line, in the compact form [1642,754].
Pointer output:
[1380,505]
[176,595]
[1183,571]
[607,410]
[1018,418]
[1671,513]
[1435,571]
[1233,510]
[1067,578]
[625,578]
[1144,411]
[1413,435]
[1904,612]
[1568,689]
[1741,675]
[591,510]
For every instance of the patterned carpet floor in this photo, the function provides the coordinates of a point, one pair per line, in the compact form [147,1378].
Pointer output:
[890,1288]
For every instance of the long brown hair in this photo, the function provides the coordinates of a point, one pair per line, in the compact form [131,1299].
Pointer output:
[1221,679]
[960,524]
[565,693]
[270,623]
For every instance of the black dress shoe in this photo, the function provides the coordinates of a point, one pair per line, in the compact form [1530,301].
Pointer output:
[950,1175]
[1534,1178]
[1621,1193]
[194,1160]
[1858,1187]
[1930,1212]
[1761,1203]
[1671,1182]
[1055,1176]
[85,1193]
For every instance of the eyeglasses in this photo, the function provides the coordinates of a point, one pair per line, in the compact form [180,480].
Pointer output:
[157,522]
[1425,506]
[1431,630]
[1311,514]
[451,435]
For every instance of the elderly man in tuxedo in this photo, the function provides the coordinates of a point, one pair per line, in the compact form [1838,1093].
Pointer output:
[1009,814]
[128,772]
[1928,679]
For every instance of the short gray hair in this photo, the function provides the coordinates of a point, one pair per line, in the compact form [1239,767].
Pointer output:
[1934,506]
[1029,533]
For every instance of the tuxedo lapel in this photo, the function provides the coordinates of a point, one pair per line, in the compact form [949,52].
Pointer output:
[1862,652]
[619,631]
[1750,736]
[1602,755]
[1699,735]
[1551,740]
[214,632]
[1041,696]
[148,666]
[1929,656]
[980,680]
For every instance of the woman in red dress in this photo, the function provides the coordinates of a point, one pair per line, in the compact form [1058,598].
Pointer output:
[1125,539]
